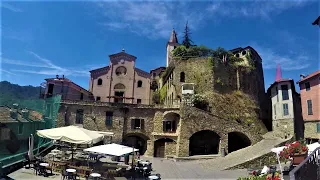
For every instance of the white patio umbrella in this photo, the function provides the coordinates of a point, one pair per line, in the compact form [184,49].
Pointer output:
[111,149]
[72,134]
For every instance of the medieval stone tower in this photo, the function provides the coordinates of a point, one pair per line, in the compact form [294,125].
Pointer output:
[171,45]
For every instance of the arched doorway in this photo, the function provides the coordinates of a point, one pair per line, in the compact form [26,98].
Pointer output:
[237,140]
[160,147]
[204,142]
[137,141]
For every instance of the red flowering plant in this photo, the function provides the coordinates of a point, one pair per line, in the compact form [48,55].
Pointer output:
[295,148]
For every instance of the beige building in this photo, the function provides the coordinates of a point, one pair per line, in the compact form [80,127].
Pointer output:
[121,81]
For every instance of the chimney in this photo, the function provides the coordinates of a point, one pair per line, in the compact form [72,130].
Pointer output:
[63,76]
[15,106]
[13,114]
[302,76]
[25,114]
[57,76]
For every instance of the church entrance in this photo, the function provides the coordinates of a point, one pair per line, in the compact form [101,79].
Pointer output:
[119,96]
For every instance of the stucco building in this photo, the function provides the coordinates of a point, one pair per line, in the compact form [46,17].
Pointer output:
[310,103]
[120,81]
[286,108]
[66,88]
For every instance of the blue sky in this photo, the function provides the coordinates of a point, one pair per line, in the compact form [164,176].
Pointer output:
[41,39]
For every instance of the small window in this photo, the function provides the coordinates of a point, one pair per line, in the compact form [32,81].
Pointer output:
[285,92]
[138,101]
[309,106]
[307,85]
[20,128]
[79,116]
[139,83]
[137,124]
[285,110]
[244,52]
[237,55]
[154,74]
[99,82]
[81,96]
[169,126]
[121,71]
[182,77]
[98,98]
[109,116]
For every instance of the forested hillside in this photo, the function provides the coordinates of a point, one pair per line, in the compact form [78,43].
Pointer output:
[25,96]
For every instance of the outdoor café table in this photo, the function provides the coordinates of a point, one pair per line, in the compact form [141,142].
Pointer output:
[71,170]
[43,168]
[55,151]
[95,175]
[153,177]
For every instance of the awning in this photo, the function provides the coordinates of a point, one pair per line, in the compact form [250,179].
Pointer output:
[72,134]
[111,149]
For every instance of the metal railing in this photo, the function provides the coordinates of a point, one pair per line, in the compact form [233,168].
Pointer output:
[308,169]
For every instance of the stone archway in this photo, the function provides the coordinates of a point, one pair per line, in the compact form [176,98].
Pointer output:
[136,140]
[160,147]
[237,140]
[204,142]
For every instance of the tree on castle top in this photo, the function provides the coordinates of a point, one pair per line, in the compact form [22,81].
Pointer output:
[187,42]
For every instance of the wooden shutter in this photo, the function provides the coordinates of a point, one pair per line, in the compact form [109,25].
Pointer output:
[132,123]
[142,124]
[173,125]
[164,126]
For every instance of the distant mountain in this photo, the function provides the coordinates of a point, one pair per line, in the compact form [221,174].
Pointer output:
[25,96]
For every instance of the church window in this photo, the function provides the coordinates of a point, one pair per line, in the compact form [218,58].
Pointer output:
[99,81]
[139,83]
[121,71]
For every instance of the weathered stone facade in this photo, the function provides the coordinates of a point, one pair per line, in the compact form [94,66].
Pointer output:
[155,138]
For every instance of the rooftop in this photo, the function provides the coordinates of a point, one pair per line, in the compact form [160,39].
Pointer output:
[309,76]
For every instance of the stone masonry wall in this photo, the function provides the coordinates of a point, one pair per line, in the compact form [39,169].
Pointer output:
[194,120]
[283,128]
[311,129]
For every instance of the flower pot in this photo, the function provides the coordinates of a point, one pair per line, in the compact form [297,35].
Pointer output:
[298,158]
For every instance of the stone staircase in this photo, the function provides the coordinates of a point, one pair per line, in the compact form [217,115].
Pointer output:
[243,155]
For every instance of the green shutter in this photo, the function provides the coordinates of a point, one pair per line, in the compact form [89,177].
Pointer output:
[318,127]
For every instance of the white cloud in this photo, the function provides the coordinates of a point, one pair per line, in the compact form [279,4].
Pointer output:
[45,67]
[254,8]
[7,72]
[152,19]
[10,7]
[155,19]
[292,61]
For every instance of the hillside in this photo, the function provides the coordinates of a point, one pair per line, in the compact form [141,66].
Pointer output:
[25,96]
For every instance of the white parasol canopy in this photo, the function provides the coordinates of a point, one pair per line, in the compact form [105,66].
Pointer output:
[111,149]
[72,134]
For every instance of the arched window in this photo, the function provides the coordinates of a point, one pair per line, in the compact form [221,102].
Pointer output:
[139,83]
[99,81]
[121,71]
[182,77]
[119,86]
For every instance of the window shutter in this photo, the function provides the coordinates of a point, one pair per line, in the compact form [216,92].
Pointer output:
[318,127]
[132,123]
[142,124]
[173,125]
[164,126]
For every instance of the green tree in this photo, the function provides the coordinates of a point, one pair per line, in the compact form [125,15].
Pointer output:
[187,42]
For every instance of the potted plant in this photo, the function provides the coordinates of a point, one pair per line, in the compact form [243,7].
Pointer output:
[298,151]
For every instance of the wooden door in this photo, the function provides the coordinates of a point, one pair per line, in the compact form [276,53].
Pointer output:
[159,149]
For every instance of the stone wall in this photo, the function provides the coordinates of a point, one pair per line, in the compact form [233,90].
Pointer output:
[283,128]
[310,130]
[171,148]
[194,120]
